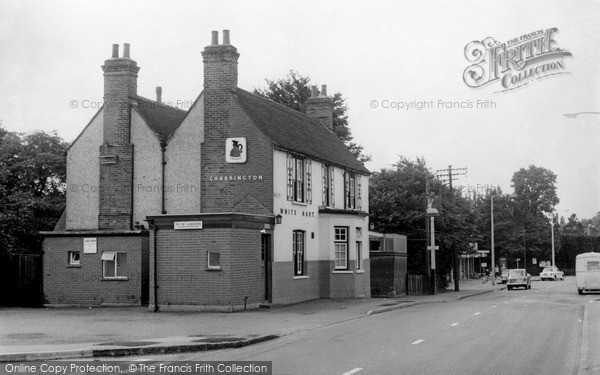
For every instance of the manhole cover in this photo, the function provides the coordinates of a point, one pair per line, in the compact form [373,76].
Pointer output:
[129,343]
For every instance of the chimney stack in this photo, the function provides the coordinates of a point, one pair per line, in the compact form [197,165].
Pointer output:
[220,63]
[126,51]
[159,94]
[320,106]
[116,152]
[120,85]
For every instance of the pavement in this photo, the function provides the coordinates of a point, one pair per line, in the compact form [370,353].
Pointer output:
[30,334]
[590,346]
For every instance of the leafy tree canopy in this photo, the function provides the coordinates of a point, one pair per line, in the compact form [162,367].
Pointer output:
[32,191]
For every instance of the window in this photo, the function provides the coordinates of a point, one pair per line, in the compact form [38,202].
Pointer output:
[298,252]
[299,175]
[213,260]
[352,191]
[114,265]
[340,242]
[327,173]
[299,180]
[358,255]
[358,248]
[73,259]
[593,266]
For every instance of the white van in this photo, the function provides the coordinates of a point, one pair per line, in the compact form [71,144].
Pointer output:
[587,269]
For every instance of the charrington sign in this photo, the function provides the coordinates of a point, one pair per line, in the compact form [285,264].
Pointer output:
[514,63]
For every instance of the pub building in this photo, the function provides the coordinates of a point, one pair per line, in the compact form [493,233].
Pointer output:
[235,203]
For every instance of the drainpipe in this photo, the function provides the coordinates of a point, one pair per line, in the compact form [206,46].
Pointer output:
[155,229]
[163,148]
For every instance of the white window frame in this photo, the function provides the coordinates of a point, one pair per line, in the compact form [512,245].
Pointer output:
[113,256]
[352,190]
[328,185]
[340,246]
[299,179]
[74,258]
[299,182]
[210,260]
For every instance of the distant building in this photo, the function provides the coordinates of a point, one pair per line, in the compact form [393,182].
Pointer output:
[237,202]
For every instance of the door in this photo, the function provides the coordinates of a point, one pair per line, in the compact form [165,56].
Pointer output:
[266,257]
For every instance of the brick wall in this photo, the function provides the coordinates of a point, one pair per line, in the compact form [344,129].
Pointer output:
[225,119]
[84,285]
[388,274]
[183,274]
[116,188]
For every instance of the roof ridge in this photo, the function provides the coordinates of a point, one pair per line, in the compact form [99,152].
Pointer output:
[285,108]
[159,104]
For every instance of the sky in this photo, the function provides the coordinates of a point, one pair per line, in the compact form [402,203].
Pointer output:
[382,56]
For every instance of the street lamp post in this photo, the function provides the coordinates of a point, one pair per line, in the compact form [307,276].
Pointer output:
[552,226]
[550,217]
[493,254]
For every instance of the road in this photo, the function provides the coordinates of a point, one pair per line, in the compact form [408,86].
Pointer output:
[535,331]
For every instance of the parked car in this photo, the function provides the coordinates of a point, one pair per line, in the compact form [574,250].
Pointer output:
[552,273]
[504,276]
[518,278]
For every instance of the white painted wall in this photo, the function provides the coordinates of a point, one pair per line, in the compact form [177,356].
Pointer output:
[83,177]
[294,219]
[146,170]
[321,246]
[182,178]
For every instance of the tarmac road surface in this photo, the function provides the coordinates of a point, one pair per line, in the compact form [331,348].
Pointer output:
[537,331]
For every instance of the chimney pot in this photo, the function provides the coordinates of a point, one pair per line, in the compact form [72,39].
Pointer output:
[115,51]
[126,51]
[226,37]
[159,94]
[313,91]
[323,90]
[215,38]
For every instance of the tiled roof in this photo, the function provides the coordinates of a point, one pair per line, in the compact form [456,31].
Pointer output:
[295,131]
[162,119]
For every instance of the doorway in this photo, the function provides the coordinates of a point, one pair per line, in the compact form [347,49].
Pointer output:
[266,257]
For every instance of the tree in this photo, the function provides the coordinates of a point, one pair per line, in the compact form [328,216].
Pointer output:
[592,226]
[534,199]
[573,226]
[294,90]
[397,203]
[535,190]
[32,188]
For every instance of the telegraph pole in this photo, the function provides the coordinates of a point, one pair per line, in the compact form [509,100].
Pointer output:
[451,175]
[430,224]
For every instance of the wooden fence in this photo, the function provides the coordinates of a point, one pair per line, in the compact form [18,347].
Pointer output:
[21,278]
[417,285]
